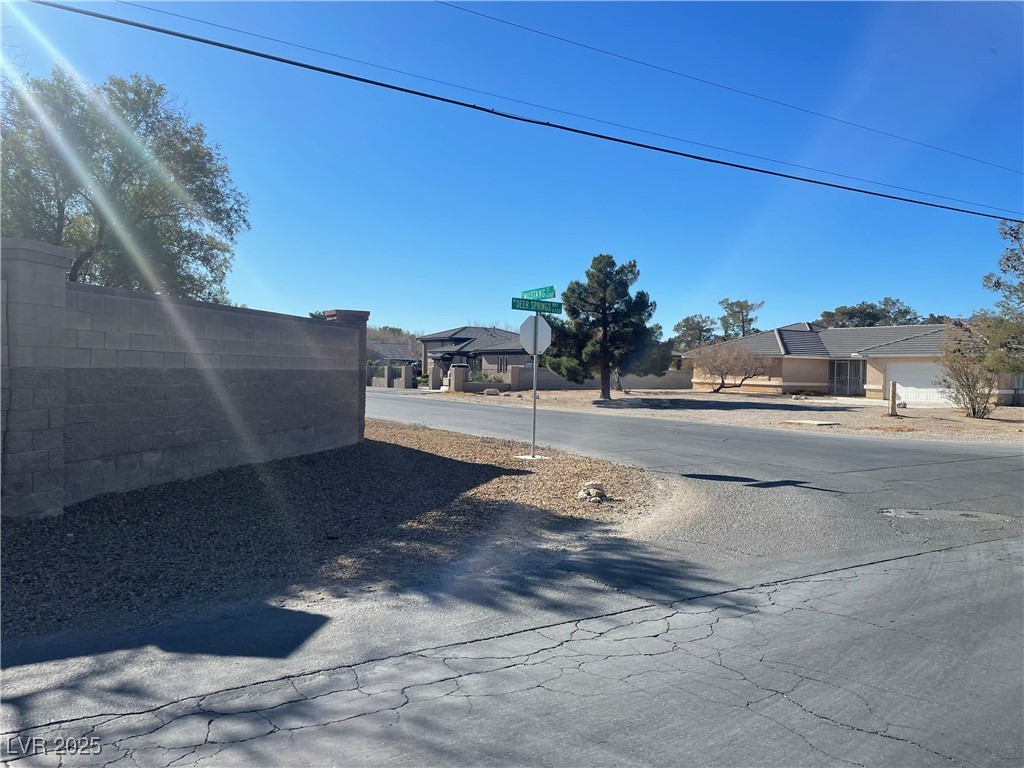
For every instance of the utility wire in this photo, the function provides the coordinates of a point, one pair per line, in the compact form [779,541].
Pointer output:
[565,112]
[725,87]
[497,113]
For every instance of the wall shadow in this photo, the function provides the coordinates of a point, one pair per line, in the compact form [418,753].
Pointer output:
[372,516]
[240,533]
[266,631]
[145,567]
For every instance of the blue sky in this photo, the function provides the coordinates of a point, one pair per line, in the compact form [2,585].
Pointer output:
[432,217]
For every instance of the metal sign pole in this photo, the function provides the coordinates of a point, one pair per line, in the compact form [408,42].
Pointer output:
[533,445]
[540,334]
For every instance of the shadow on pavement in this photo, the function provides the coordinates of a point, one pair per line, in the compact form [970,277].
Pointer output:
[751,482]
[151,567]
[335,519]
[267,632]
[560,564]
[137,564]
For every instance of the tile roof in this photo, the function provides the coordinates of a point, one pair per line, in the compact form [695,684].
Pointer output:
[764,343]
[387,350]
[928,343]
[508,346]
[802,327]
[802,342]
[468,332]
[451,349]
[472,339]
[809,340]
[843,342]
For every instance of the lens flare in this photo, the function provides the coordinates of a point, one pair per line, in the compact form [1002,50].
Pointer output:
[121,230]
[102,106]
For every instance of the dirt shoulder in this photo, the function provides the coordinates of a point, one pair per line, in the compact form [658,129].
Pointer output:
[847,416]
[387,514]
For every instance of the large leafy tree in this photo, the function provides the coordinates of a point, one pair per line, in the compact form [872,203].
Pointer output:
[866,314]
[1010,281]
[1002,331]
[607,328]
[694,331]
[121,176]
[739,319]
[977,350]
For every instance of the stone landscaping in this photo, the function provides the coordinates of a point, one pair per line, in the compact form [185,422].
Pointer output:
[390,513]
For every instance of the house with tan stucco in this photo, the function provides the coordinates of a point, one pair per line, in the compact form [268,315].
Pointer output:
[858,362]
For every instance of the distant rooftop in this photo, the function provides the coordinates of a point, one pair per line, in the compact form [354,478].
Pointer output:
[809,340]
[387,350]
[474,339]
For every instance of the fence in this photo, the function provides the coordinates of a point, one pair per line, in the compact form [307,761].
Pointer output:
[107,389]
[521,378]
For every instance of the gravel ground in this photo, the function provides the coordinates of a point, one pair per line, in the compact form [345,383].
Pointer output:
[855,415]
[385,514]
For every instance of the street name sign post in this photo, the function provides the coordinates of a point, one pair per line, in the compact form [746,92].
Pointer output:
[535,335]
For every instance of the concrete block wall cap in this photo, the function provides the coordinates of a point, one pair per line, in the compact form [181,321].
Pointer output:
[347,314]
[33,250]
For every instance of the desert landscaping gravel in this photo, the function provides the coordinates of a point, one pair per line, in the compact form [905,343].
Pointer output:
[855,416]
[385,514]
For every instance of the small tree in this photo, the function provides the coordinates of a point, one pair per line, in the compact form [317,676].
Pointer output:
[694,331]
[723,362]
[739,318]
[965,379]
[867,314]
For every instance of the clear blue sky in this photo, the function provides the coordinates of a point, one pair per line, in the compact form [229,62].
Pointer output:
[431,216]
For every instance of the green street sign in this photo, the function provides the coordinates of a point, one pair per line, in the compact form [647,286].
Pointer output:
[548,292]
[531,305]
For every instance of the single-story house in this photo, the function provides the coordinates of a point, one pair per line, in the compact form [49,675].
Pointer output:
[853,361]
[485,350]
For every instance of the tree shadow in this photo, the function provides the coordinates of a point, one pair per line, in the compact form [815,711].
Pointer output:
[372,516]
[237,533]
[427,536]
[685,404]
[535,566]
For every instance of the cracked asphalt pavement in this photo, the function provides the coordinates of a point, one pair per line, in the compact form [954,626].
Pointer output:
[797,601]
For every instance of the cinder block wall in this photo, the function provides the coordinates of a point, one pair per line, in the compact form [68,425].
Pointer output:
[106,389]
[521,378]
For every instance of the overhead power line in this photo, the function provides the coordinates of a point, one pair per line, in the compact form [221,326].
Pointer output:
[566,112]
[712,83]
[498,113]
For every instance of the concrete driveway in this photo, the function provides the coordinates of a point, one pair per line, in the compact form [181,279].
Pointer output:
[796,600]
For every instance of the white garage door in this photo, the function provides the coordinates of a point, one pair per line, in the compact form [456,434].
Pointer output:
[915,382]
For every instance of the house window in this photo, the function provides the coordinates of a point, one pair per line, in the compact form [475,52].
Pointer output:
[502,364]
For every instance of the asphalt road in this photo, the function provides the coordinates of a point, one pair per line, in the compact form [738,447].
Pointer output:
[761,503]
[796,599]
